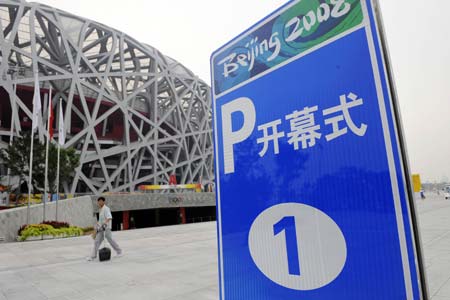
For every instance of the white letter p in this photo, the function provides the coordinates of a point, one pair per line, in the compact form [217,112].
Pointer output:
[230,137]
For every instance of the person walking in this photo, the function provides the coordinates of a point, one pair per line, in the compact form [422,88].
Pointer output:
[103,230]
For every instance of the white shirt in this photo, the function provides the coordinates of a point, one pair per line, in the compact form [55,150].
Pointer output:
[103,215]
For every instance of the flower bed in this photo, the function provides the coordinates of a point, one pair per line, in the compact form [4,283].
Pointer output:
[88,230]
[46,231]
[57,224]
[54,224]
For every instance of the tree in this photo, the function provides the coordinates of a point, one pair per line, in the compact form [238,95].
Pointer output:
[17,158]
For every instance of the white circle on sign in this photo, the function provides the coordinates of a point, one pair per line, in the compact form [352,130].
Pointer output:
[297,246]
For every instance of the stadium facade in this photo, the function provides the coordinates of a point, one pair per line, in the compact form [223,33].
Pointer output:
[134,115]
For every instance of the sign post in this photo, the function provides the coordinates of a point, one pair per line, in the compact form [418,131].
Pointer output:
[313,193]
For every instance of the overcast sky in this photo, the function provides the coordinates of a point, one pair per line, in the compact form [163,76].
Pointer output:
[418,34]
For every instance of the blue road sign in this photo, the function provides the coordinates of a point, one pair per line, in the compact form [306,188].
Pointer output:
[312,197]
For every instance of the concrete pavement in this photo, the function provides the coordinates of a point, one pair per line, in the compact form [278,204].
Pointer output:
[168,263]
[174,262]
[434,222]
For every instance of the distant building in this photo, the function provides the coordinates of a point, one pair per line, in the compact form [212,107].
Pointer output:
[135,116]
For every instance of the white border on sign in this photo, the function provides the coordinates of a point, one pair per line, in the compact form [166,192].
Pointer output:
[410,208]
[389,153]
[395,120]
[388,143]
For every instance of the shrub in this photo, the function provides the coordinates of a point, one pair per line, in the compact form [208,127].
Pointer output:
[57,224]
[88,229]
[35,230]
[21,229]
[54,224]
[73,231]
[45,229]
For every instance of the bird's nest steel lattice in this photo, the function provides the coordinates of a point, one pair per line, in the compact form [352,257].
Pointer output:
[135,115]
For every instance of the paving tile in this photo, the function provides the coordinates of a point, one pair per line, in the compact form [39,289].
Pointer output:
[25,294]
[444,291]
[439,298]
[156,266]
[434,221]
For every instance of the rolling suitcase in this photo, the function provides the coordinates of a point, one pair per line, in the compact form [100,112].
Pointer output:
[104,254]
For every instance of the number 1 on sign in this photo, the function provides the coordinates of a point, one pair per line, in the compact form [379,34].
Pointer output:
[287,224]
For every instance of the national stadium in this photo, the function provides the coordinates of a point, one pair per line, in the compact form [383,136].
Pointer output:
[134,115]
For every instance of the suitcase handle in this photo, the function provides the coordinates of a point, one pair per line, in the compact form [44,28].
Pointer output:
[104,235]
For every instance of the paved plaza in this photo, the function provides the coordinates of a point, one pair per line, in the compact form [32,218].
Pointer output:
[434,219]
[174,262]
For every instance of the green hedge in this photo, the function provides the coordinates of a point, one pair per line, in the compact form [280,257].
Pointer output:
[45,229]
